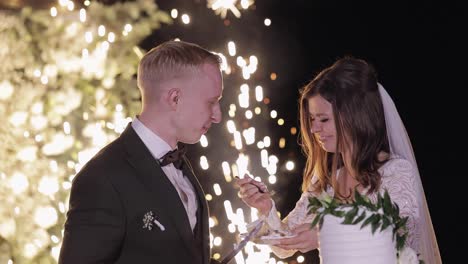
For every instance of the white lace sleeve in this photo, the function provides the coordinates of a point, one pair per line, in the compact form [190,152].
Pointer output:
[399,181]
[296,217]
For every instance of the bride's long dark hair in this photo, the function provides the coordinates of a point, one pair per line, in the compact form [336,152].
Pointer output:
[350,85]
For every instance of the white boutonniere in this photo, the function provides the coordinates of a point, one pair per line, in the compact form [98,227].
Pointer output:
[149,219]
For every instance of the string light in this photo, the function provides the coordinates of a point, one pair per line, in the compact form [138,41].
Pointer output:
[221,7]
[174,13]
[53,11]
[185,19]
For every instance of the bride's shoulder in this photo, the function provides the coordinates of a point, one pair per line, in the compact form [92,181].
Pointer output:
[397,165]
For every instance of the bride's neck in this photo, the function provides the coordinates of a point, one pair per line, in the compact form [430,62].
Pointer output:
[348,176]
[347,184]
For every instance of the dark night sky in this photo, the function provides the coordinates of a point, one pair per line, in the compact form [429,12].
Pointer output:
[415,48]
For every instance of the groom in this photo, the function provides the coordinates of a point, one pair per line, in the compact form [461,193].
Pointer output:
[137,200]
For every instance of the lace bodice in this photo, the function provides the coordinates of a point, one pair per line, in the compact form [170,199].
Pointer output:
[397,178]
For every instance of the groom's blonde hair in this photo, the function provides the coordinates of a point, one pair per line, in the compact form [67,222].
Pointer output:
[171,60]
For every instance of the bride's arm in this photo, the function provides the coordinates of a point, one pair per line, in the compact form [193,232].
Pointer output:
[399,179]
[295,218]
[255,194]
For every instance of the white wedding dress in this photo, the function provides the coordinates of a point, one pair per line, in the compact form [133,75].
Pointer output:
[348,244]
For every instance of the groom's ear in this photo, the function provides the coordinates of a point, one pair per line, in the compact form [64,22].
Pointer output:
[173,97]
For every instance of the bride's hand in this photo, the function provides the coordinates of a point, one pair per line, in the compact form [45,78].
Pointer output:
[305,240]
[254,194]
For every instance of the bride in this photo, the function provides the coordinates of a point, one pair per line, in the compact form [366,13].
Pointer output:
[354,140]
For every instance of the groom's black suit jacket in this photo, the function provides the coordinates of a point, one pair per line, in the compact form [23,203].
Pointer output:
[109,199]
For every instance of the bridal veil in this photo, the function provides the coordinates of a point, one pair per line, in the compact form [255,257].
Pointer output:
[400,145]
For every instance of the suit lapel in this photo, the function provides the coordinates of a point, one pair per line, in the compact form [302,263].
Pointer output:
[152,176]
[203,207]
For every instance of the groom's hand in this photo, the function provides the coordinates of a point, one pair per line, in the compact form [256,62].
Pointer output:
[304,241]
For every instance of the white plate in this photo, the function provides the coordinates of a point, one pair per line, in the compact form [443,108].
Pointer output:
[272,240]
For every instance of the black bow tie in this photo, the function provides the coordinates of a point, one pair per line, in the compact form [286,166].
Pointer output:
[174,156]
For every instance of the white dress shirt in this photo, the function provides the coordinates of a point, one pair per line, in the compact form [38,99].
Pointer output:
[158,148]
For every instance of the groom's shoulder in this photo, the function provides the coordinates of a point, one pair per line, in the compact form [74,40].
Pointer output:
[109,160]
[108,155]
